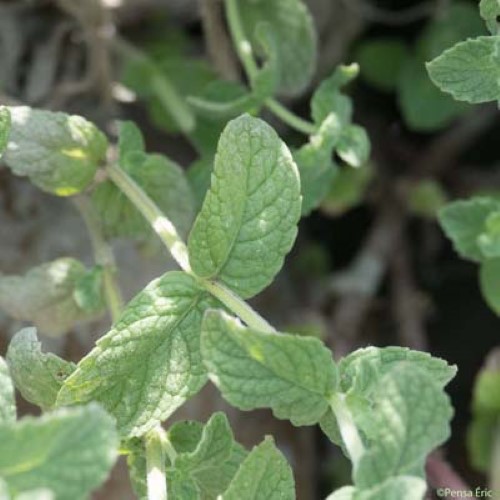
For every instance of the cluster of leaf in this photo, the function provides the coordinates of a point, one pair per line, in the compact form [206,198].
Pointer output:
[469,70]
[389,65]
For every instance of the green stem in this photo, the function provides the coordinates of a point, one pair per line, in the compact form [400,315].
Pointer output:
[103,256]
[158,221]
[347,427]
[167,94]
[238,306]
[240,40]
[290,118]
[169,236]
[155,464]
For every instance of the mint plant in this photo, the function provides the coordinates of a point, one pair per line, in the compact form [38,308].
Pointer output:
[239,212]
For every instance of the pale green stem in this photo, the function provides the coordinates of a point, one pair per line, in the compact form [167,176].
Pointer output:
[245,53]
[167,94]
[238,306]
[156,478]
[103,256]
[290,118]
[156,218]
[347,427]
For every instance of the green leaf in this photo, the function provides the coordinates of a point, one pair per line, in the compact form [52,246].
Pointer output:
[149,363]
[362,370]
[381,61]
[409,417]
[328,99]
[295,35]
[293,375]
[60,153]
[354,146]
[45,296]
[198,175]
[88,293]
[464,221]
[248,222]
[7,399]
[130,139]
[265,473]
[489,240]
[5,126]
[162,180]
[396,488]
[490,10]
[70,452]
[425,108]
[469,71]
[37,376]
[347,190]
[315,163]
[485,428]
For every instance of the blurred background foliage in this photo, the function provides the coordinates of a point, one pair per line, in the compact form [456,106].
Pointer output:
[371,265]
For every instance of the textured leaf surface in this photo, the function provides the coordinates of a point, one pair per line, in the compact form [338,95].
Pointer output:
[59,152]
[149,363]
[70,452]
[162,180]
[248,221]
[7,400]
[489,280]
[354,146]
[464,221]
[489,240]
[5,125]
[295,35]
[291,374]
[38,376]
[265,473]
[362,370]
[315,163]
[88,293]
[489,10]
[410,417]
[45,296]
[469,71]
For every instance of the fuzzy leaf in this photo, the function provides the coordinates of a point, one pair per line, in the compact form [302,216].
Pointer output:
[490,10]
[38,376]
[60,153]
[130,139]
[315,163]
[248,222]
[264,473]
[489,280]
[354,146]
[88,293]
[464,221]
[293,375]
[7,399]
[162,180]
[328,99]
[410,417]
[489,240]
[469,71]
[45,296]
[295,35]
[5,126]
[70,452]
[149,363]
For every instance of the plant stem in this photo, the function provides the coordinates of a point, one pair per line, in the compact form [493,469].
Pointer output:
[170,99]
[238,306]
[495,461]
[347,427]
[241,42]
[290,118]
[158,221]
[103,256]
[155,464]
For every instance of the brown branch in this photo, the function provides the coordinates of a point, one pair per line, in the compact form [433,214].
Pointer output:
[218,43]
